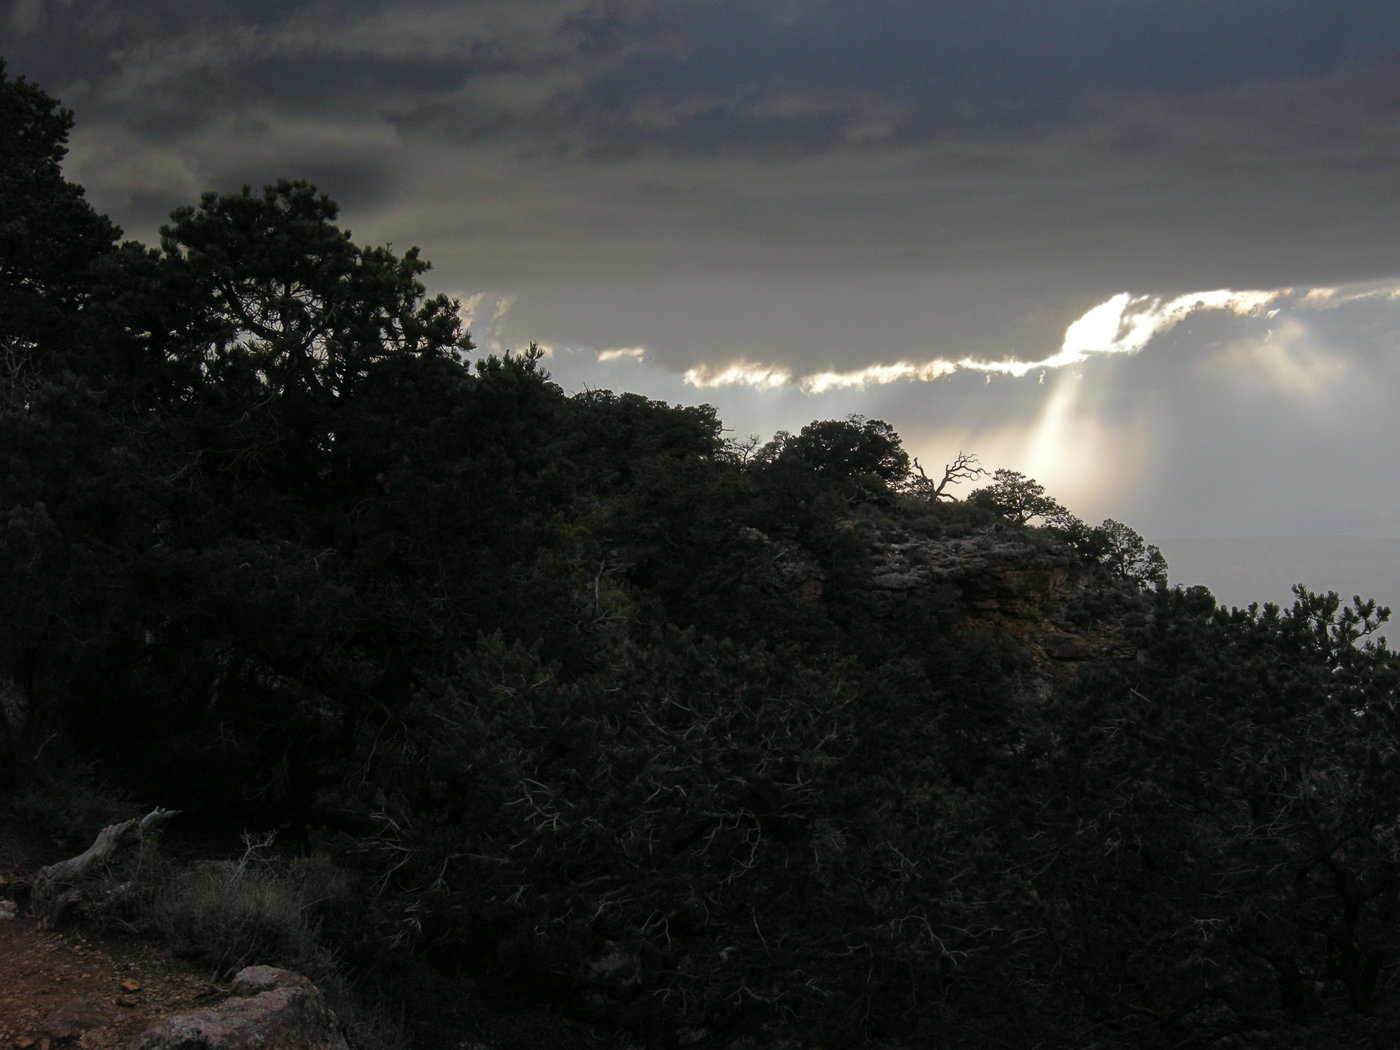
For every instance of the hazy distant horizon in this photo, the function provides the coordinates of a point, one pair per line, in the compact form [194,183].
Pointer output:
[1243,570]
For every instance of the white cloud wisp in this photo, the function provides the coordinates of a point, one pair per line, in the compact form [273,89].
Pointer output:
[1123,324]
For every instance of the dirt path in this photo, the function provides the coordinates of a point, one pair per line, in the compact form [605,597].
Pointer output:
[67,986]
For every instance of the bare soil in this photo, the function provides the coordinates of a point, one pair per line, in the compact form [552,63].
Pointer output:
[70,987]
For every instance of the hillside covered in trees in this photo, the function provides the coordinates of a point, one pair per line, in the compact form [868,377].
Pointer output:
[581,725]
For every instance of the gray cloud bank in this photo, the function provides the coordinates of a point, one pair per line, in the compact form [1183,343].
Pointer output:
[1004,160]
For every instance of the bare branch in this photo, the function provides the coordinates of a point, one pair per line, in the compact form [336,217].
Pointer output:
[965,467]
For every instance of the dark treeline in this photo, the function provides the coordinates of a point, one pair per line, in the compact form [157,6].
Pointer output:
[529,682]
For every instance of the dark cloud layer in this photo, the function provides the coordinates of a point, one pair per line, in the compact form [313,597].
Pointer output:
[1163,143]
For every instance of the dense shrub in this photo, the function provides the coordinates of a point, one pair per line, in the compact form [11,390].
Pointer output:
[67,804]
[229,914]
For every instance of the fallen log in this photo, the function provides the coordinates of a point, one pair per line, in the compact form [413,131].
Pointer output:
[58,887]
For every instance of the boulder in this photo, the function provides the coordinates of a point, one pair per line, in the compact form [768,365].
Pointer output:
[270,1009]
[74,1018]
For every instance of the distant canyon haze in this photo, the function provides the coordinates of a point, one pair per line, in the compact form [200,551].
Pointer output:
[1240,571]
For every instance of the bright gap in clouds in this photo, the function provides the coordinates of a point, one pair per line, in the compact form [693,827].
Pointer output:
[636,353]
[1123,324]
[1087,451]
[1126,323]
[821,382]
[739,373]
[1229,416]
[1184,415]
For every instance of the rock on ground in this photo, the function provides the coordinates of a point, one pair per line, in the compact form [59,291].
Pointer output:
[270,1009]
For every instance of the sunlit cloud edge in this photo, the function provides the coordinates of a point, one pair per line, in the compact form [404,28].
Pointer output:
[1125,323]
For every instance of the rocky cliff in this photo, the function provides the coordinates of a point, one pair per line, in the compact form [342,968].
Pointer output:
[1026,584]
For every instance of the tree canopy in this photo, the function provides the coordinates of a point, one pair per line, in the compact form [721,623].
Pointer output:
[49,235]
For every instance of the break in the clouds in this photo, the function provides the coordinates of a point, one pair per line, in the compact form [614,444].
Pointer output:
[1123,324]
[1222,412]
[987,223]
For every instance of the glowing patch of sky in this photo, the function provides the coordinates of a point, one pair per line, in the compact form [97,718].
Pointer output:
[618,354]
[1053,442]
[821,382]
[1069,445]
[1126,323]
[739,373]
[1289,359]
[1327,298]
[1123,324]
[483,313]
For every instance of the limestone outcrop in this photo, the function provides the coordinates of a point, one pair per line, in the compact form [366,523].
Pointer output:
[270,1009]
[1046,596]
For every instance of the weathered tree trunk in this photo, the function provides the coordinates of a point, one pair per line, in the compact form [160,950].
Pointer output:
[60,886]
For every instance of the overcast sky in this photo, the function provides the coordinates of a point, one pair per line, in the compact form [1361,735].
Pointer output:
[1148,252]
